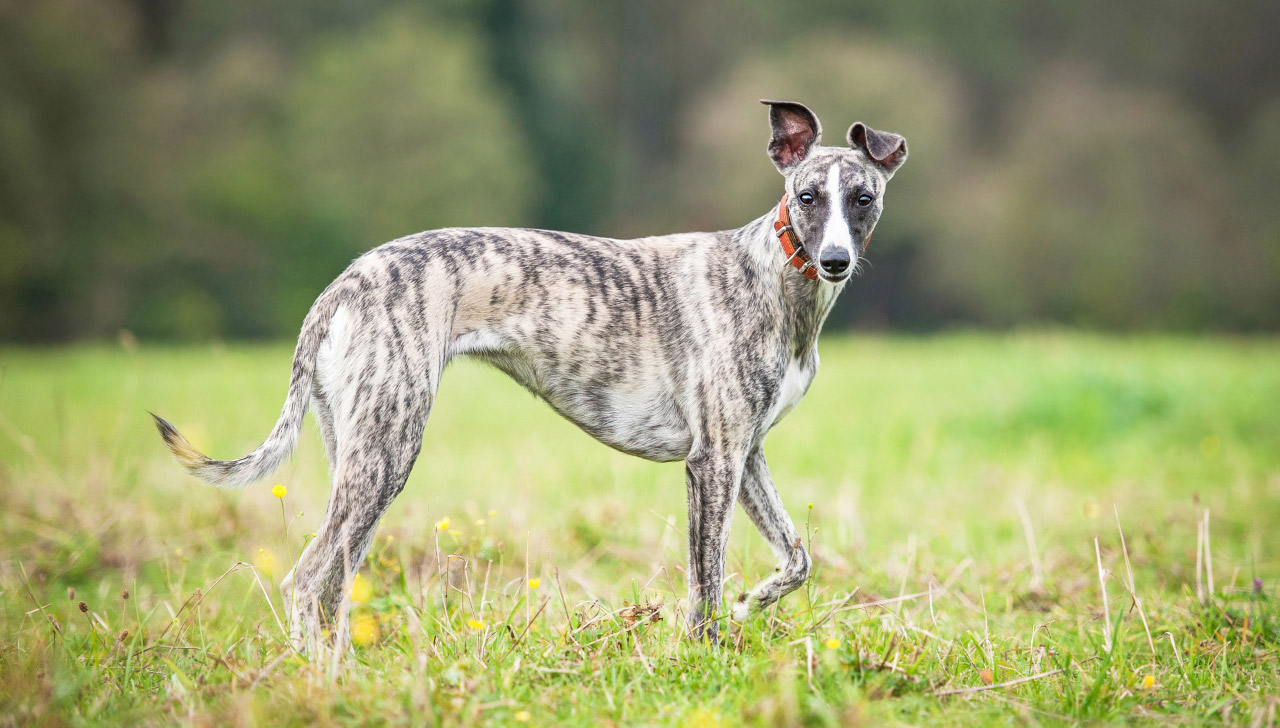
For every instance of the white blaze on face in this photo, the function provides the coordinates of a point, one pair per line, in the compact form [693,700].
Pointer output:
[836,232]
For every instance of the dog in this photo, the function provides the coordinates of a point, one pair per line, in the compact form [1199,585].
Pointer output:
[679,347]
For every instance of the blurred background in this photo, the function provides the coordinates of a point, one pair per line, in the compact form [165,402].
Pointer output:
[190,169]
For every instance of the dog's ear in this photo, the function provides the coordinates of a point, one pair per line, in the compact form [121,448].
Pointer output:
[886,149]
[795,131]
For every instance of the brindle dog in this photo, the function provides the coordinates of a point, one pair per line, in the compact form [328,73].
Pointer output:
[680,347]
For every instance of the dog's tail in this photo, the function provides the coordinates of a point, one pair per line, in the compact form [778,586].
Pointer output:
[279,444]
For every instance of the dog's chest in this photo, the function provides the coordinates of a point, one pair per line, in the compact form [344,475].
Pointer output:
[795,382]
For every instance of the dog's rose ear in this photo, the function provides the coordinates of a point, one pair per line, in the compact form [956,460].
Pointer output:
[795,131]
[885,149]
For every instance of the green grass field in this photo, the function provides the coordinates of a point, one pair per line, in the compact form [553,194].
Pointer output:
[951,487]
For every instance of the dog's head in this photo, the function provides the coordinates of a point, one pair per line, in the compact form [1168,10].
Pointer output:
[834,194]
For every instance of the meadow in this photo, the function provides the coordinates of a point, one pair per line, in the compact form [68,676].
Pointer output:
[1044,527]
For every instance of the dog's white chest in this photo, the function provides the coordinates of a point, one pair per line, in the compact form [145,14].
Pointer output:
[795,382]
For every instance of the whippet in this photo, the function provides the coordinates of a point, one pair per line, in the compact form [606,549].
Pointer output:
[679,347]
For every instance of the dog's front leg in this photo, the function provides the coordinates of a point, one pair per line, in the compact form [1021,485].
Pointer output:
[712,476]
[760,500]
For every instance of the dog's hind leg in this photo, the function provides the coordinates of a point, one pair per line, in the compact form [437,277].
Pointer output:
[760,500]
[370,471]
[377,426]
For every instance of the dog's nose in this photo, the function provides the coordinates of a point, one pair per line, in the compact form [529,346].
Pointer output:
[835,261]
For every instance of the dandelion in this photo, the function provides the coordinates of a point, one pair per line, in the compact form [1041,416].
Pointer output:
[810,506]
[361,590]
[1149,682]
[442,524]
[832,643]
[279,490]
[364,630]
[493,514]
[475,624]
[534,583]
[455,533]
[523,716]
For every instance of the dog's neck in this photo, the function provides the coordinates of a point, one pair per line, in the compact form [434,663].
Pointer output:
[807,302]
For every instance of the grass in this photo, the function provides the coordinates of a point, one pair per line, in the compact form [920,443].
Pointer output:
[952,489]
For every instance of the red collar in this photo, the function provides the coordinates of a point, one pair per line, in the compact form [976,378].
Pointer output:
[791,246]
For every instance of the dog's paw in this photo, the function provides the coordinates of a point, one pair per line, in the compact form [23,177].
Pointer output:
[741,609]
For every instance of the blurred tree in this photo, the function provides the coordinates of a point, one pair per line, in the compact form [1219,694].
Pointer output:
[203,168]
[368,137]
[65,197]
[1106,207]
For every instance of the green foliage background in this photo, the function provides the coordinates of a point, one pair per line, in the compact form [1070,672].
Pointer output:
[201,169]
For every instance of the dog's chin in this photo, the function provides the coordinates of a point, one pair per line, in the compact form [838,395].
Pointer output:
[835,279]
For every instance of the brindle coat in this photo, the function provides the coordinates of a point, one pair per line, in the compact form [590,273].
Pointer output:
[688,346]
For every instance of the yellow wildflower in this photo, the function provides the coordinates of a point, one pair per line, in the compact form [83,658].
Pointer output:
[475,624]
[265,561]
[523,716]
[364,630]
[279,490]
[1149,682]
[493,514]
[442,524]
[361,590]
[534,583]
[832,643]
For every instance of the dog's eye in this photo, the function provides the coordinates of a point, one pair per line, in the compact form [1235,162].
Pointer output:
[806,198]
[864,200]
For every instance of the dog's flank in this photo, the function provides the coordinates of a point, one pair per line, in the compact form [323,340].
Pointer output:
[681,347]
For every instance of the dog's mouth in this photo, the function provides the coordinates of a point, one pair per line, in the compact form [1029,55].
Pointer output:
[836,278]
